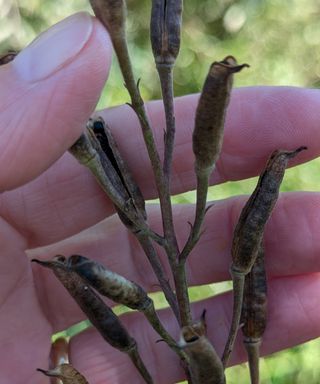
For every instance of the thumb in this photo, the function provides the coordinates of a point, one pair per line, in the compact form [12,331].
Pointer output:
[47,94]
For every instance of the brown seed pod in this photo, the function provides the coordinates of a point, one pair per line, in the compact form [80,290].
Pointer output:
[109,146]
[249,231]
[110,284]
[254,313]
[210,113]
[112,14]
[255,214]
[101,316]
[254,307]
[66,373]
[205,365]
[165,30]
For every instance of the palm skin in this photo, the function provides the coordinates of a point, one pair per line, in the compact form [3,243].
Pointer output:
[50,204]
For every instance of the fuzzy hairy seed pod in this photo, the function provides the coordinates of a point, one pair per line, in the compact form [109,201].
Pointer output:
[165,28]
[210,113]
[204,363]
[112,14]
[256,212]
[254,306]
[110,284]
[66,373]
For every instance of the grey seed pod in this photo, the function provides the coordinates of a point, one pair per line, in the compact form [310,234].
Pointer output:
[100,315]
[255,214]
[254,313]
[165,28]
[254,306]
[210,113]
[66,373]
[110,284]
[109,146]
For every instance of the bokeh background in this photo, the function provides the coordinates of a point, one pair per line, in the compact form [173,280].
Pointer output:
[279,38]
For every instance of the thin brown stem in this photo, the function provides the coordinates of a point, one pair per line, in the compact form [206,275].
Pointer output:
[182,293]
[151,314]
[238,288]
[171,248]
[139,364]
[165,72]
[202,191]
[253,349]
[157,267]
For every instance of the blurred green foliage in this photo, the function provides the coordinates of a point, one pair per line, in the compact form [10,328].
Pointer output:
[279,38]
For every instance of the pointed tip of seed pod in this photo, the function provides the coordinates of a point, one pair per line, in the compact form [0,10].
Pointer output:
[57,260]
[47,373]
[300,149]
[228,64]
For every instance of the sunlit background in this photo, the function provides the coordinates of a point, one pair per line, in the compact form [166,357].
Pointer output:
[280,40]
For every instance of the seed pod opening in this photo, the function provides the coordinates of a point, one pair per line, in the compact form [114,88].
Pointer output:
[110,284]
[205,365]
[210,113]
[165,28]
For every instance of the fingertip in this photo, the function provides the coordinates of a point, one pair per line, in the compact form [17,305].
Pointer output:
[45,110]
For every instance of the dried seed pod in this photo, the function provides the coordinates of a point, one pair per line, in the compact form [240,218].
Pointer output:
[110,148]
[165,30]
[249,232]
[66,373]
[112,14]
[210,113]
[205,365]
[122,291]
[110,284]
[254,313]
[101,316]
[7,57]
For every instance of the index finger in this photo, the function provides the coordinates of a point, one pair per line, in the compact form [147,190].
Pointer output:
[259,120]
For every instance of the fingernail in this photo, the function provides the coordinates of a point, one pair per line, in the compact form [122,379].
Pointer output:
[54,48]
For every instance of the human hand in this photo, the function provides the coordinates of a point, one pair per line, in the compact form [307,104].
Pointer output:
[40,119]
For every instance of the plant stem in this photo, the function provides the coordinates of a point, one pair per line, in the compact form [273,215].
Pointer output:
[202,191]
[159,272]
[238,288]
[155,322]
[139,364]
[252,348]
[172,249]
[182,293]
[165,72]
